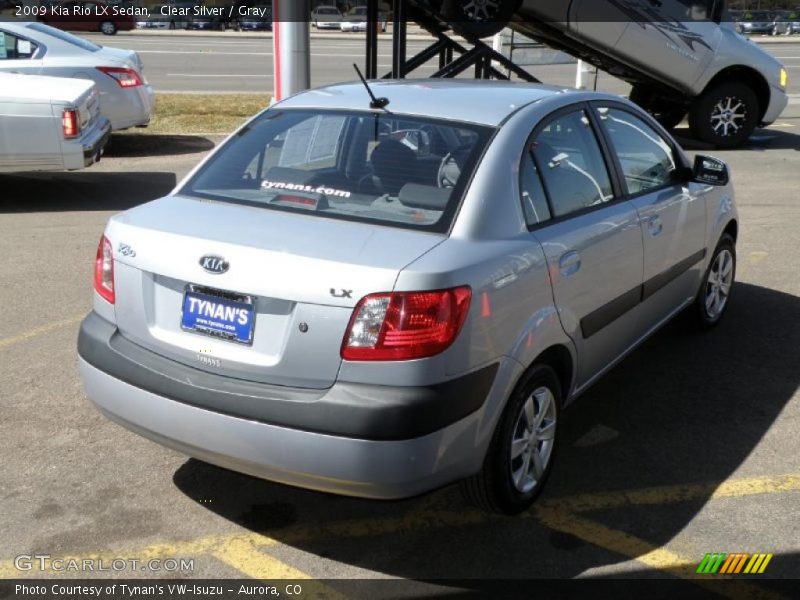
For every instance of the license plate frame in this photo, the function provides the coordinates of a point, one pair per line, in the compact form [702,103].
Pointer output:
[224,298]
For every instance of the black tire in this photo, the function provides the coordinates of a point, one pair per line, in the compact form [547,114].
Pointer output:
[709,107]
[705,318]
[493,489]
[669,114]
[459,16]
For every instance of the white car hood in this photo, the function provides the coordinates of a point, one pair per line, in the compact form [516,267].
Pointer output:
[18,87]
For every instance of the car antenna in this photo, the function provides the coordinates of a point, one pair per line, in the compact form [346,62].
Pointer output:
[376,102]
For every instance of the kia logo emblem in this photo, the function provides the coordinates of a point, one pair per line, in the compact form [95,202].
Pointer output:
[214,264]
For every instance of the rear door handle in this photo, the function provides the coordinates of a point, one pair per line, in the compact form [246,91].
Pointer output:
[655,225]
[569,263]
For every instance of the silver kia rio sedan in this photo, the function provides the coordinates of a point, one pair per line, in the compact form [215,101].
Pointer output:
[378,298]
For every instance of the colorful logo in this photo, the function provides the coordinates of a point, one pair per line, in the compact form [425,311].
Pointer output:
[722,563]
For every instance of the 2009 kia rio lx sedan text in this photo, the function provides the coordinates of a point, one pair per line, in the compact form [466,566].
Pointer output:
[381,301]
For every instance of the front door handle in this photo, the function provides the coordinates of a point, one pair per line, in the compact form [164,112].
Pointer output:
[655,225]
[569,263]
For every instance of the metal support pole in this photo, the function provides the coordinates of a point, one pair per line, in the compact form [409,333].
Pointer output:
[291,46]
[399,39]
[371,67]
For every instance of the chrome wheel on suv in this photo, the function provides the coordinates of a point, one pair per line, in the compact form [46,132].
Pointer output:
[725,115]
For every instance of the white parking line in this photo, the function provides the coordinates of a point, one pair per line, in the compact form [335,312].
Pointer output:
[248,75]
[208,53]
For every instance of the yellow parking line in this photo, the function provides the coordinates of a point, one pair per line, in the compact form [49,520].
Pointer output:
[647,553]
[241,551]
[672,494]
[247,558]
[215,545]
[5,342]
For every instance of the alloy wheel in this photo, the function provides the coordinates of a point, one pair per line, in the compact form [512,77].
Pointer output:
[718,285]
[532,440]
[728,116]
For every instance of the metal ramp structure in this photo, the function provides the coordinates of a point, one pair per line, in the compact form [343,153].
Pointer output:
[454,57]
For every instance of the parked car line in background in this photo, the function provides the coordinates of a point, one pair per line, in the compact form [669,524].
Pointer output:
[34,48]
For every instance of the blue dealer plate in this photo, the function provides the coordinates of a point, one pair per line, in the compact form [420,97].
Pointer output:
[219,316]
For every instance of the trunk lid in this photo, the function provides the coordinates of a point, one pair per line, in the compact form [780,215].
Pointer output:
[303,274]
[129,58]
[38,88]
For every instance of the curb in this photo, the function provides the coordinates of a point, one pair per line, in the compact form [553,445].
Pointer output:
[315,35]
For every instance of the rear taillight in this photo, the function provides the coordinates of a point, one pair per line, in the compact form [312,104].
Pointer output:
[104,270]
[124,77]
[405,325]
[70,123]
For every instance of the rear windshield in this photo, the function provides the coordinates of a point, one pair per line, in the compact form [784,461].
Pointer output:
[64,37]
[373,167]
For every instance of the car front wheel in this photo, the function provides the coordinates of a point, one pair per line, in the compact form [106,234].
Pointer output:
[108,28]
[725,115]
[522,449]
[715,292]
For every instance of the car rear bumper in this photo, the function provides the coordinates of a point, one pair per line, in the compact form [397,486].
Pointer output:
[93,147]
[131,107]
[87,150]
[370,455]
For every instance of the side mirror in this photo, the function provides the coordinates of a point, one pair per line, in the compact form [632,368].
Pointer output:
[710,170]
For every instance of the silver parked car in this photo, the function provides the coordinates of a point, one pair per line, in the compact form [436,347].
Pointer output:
[34,48]
[380,301]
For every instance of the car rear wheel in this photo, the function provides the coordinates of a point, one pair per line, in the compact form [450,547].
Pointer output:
[523,446]
[725,115]
[108,27]
[715,292]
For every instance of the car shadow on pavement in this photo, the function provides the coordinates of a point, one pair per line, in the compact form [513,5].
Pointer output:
[687,407]
[81,190]
[762,139]
[125,145]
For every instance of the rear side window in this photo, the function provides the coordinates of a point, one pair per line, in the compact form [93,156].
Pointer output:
[15,48]
[381,168]
[571,164]
[73,40]
[646,158]
[534,201]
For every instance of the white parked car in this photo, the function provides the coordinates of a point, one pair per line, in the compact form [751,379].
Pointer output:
[49,124]
[326,17]
[356,20]
[37,49]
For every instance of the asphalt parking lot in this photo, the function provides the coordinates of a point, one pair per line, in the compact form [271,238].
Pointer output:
[688,447]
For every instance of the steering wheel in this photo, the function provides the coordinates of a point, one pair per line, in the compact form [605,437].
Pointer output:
[450,167]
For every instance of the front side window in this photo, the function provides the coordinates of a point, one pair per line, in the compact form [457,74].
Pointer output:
[380,168]
[571,164]
[13,47]
[646,158]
